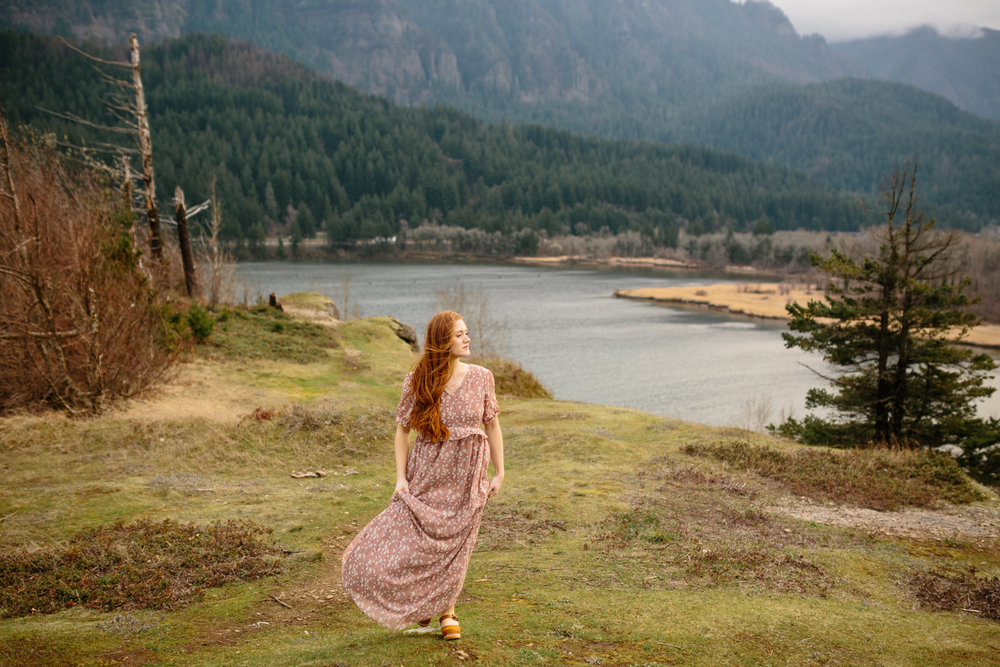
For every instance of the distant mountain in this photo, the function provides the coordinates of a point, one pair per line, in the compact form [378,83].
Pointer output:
[615,68]
[295,152]
[733,76]
[965,70]
[851,133]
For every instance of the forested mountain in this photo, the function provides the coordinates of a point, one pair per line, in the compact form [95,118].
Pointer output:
[851,133]
[708,71]
[297,152]
[520,56]
[962,69]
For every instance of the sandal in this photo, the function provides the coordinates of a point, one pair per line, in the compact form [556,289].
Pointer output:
[450,628]
[424,623]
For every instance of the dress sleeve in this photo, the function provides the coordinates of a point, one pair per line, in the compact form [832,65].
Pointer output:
[406,402]
[490,406]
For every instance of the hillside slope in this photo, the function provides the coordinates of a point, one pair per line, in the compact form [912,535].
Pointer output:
[618,537]
[957,68]
[653,70]
[851,133]
[485,50]
[297,153]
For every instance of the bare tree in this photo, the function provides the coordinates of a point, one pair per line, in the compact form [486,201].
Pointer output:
[129,107]
[217,261]
[184,239]
[146,150]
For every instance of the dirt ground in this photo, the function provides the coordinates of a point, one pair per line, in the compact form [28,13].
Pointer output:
[978,524]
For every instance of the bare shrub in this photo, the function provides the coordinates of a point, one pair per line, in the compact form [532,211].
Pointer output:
[489,334]
[79,322]
[980,261]
[348,309]
[963,591]
[755,413]
[220,267]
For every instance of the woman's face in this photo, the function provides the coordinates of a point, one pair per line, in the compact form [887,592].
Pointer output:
[460,340]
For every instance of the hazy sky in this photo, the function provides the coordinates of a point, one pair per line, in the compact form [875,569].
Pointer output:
[838,20]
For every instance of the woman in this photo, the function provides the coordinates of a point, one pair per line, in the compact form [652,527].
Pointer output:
[409,563]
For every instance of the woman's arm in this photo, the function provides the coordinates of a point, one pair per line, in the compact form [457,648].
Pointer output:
[402,449]
[495,436]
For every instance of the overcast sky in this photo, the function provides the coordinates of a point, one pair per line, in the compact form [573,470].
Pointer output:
[838,20]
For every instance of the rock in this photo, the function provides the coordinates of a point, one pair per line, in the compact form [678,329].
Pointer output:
[405,331]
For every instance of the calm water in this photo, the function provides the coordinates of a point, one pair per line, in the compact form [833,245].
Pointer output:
[582,343]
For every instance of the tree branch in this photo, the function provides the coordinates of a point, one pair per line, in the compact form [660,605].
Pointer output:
[84,121]
[94,58]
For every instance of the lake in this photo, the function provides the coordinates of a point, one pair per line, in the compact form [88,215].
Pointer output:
[584,344]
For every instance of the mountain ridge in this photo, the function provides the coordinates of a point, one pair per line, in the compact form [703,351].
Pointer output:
[952,67]
[652,70]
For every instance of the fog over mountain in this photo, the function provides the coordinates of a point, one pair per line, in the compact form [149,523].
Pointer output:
[844,20]
[961,69]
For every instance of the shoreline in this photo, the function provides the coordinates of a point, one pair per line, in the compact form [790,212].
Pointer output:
[765,301]
[582,261]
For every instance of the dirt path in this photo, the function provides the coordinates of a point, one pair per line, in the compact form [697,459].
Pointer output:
[979,524]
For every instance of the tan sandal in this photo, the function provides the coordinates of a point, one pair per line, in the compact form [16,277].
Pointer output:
[424,623]
[449,627]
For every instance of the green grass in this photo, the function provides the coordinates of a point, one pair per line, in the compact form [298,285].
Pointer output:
[618,538]
[261,332]
[512,380]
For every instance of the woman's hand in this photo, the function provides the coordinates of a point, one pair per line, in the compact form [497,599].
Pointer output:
[401,486]
[495,485]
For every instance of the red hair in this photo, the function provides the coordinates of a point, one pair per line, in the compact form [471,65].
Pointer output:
[431,374]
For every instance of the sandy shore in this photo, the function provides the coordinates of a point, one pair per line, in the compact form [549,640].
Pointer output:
[765,300]
[581,260]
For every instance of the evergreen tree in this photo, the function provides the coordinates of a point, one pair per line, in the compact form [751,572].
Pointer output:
[890,322]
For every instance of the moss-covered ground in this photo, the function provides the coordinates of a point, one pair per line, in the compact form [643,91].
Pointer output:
[619,537]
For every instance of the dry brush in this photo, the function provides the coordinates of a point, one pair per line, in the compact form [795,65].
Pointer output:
[80,323]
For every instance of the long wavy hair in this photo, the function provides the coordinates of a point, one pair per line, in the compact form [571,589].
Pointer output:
[431,374]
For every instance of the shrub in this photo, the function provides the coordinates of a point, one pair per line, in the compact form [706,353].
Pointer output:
[512,380]
[878,479]
[140,565]
[951,592]
[201,323]
[79,321]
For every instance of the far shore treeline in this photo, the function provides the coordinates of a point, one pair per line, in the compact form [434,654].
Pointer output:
[299,155]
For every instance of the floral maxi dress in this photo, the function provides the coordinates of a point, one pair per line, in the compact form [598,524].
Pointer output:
[409,562]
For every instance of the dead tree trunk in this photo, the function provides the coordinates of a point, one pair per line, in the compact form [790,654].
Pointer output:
[190,280]
[146,150]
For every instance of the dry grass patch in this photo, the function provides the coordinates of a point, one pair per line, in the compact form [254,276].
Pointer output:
[140,565]
[963,591]
[878,479]
[692,528]
[508,526]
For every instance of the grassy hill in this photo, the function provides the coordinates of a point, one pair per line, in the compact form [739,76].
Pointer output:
[619,537]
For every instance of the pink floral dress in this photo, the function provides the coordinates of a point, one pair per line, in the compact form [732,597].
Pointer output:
[409,562]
